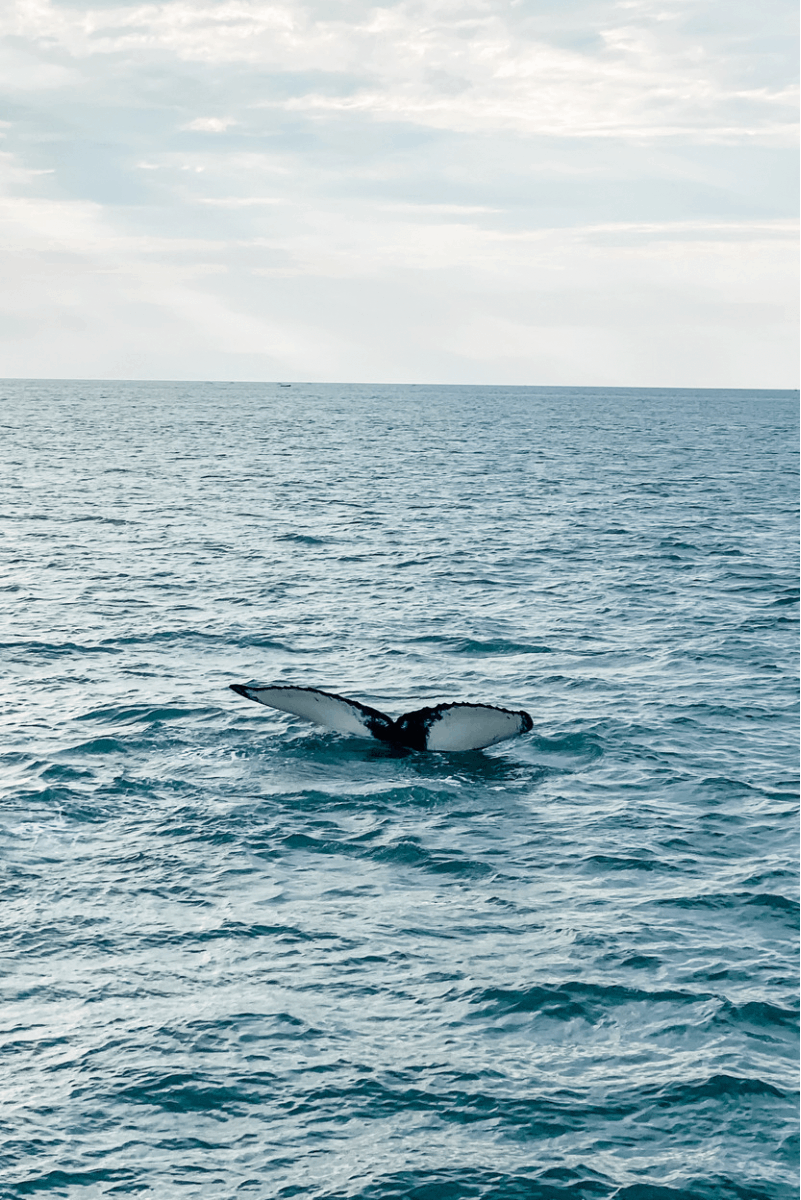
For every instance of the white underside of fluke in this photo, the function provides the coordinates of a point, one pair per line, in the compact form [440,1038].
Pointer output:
[471,727]
[324,709]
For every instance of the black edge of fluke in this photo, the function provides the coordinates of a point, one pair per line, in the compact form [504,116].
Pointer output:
[240,689]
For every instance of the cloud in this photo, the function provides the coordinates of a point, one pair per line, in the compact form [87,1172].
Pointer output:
[582,191]
[210,124]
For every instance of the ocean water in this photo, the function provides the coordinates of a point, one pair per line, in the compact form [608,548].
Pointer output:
[243,956]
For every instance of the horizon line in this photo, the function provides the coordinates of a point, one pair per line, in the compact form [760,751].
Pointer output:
[566,387]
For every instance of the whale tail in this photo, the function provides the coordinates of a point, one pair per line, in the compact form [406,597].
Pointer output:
[446,727]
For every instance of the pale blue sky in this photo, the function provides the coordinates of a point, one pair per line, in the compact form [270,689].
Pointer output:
[432,191]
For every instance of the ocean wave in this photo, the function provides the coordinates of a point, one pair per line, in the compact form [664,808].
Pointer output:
[142,714]
[566,1001]
[48,650]
[733,900]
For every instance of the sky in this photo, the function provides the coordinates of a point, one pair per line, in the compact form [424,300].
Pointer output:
[543,192]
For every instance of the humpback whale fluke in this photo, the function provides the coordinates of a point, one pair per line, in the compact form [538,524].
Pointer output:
[444,727]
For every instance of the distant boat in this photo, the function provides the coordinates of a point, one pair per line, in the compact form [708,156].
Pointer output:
[285,385]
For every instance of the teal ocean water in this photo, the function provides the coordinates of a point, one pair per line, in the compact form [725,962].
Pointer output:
[243,956]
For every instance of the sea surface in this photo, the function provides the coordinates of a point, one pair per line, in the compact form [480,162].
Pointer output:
[243,956]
